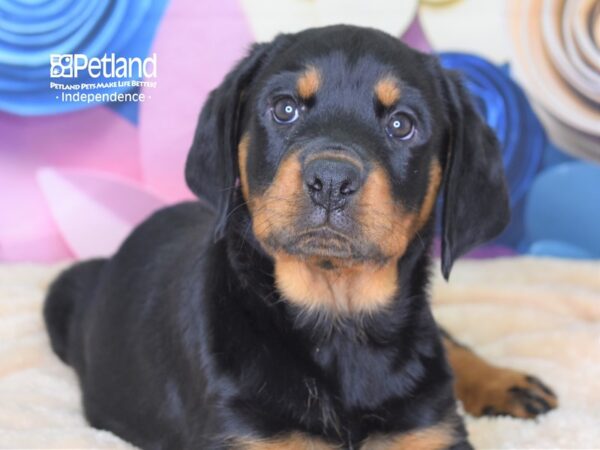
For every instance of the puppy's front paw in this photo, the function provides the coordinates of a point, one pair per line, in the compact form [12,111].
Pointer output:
[488,390]
[505,392]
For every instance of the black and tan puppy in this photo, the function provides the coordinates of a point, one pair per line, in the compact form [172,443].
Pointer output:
[292,311]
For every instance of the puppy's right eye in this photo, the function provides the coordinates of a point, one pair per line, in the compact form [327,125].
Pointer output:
[285,110]
[400,126]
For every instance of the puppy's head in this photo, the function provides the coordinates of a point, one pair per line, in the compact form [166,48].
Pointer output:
[341,139]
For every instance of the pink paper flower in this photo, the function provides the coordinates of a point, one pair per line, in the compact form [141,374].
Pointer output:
[74,185]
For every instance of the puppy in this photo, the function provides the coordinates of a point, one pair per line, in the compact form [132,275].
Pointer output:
[289,308]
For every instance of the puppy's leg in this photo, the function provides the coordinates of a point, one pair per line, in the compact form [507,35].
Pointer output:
[485,389]
[67,295]
[462,446]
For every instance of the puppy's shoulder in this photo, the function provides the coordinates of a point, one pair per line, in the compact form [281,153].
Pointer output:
[190,214]
[170,230]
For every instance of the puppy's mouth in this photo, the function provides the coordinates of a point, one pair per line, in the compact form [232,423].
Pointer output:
[322,242]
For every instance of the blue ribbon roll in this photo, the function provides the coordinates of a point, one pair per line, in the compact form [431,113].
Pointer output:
[507,111]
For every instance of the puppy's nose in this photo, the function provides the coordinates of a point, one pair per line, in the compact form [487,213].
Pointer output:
[331,182]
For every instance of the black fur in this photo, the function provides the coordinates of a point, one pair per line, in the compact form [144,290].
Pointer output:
[476,204]
[181,340]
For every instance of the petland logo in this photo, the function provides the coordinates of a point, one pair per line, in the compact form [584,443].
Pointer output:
[77,78]
[108,66]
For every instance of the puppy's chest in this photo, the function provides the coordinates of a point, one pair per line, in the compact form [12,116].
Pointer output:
[336,417]
[360,377]
[345,397]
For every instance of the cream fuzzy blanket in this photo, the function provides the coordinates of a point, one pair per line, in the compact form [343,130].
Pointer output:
[542,316]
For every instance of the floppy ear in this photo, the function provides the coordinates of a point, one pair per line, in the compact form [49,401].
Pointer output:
[210,170]
[476,207]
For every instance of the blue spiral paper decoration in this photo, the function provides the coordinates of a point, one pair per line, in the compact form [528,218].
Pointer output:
[507,111]
[32,30]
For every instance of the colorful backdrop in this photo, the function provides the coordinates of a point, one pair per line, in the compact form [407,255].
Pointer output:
[75,177]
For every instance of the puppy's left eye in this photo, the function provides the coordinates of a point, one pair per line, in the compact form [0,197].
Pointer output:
[400,126]
[285,110]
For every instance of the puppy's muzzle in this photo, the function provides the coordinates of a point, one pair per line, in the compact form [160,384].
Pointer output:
[331,181]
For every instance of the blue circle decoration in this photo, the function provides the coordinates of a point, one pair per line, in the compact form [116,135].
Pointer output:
[31,31]
[562,212]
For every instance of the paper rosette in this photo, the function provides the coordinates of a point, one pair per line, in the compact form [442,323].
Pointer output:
[556,48]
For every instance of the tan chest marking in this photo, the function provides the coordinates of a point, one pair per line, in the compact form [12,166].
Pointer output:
[360,288]
[295,441]
[439,437]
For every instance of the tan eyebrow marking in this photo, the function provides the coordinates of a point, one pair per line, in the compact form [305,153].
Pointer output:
[436,437]
[387,91]
[309,82]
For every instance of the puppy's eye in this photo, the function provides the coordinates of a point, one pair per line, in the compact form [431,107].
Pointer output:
[400,126]
[285,110]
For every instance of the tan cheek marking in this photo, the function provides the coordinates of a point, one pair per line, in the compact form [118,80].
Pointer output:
[399,229]
[309,82]
[387,91]
[274,209]
[439,437]
[435,179]
[383,220]
[343,290]
[296,441]
[243,164]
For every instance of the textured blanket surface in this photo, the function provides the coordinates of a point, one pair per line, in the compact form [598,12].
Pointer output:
[542,316]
